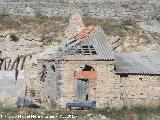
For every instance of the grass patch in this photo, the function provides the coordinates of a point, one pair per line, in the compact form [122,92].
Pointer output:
[112,26]
[156,37]
[137,113]
[49,29]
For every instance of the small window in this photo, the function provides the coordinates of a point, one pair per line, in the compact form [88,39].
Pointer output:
[91,46]
[141,79]
[123,75]
[93,52]
[84,46]
[83,50]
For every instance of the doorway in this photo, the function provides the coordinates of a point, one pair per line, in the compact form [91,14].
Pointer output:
[85,84]
[82,88]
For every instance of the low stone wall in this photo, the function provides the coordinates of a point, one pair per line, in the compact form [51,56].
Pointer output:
[87,1]
[95,10]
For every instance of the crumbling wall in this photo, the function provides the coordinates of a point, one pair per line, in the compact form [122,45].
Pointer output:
[48,77]
[16,56]
[32,87]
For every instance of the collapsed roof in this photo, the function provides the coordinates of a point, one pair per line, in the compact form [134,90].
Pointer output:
[85,43]
[82,43]
[90,43]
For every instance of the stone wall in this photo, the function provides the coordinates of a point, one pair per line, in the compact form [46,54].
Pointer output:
[111,90]
[86,1]
[48,77]
[108,85]
[95,10]
[140,90]
[105,75]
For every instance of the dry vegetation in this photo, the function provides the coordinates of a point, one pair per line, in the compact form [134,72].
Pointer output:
[114,27]
[52,29]
[127,31]
[111,114]
[47,28]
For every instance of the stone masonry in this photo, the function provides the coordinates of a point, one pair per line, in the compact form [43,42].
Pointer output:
[111,90]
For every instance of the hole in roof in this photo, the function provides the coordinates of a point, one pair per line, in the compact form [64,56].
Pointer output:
[79,51]
[86,51]
[85,46]
[82,50]
[93,52]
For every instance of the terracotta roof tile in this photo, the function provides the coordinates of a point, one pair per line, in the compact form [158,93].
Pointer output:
[91,75]
[85,33]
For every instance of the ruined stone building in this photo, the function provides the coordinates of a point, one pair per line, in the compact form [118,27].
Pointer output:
[83,68]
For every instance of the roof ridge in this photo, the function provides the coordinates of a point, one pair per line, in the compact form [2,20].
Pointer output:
[86,32]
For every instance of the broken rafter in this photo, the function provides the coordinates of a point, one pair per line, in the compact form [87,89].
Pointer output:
[2,60]
[22,66]
[16,69]
[12,66]
[9,64]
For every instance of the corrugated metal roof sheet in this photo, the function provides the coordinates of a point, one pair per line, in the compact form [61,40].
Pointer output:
[137,63]
[98,40]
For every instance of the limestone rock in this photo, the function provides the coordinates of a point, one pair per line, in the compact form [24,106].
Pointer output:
[102,117]
[89,115]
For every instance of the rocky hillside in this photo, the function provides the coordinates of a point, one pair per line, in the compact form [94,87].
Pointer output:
[22,35]
[31,35]
[22,38]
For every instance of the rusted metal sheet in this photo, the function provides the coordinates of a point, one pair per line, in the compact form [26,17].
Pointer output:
[85,33]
